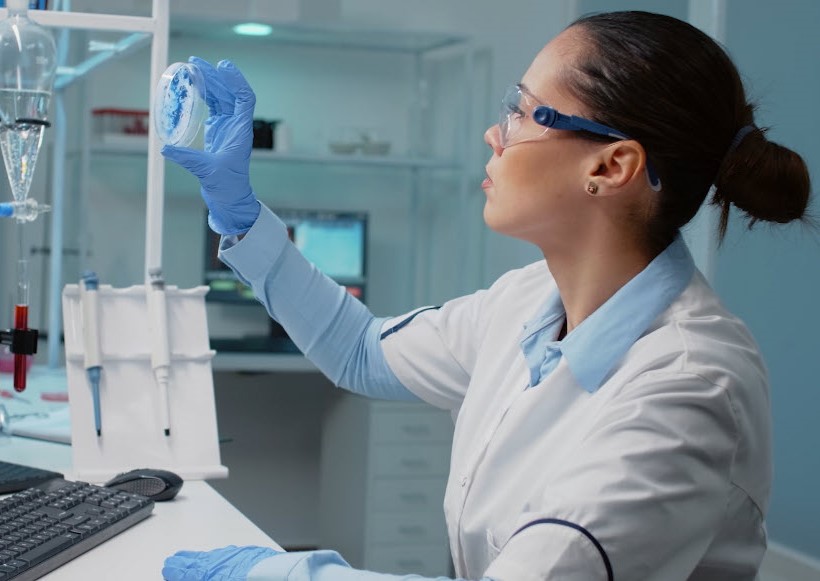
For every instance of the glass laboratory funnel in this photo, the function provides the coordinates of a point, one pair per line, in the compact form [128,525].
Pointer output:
[28,63]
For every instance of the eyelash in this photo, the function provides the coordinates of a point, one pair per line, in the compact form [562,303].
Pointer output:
[514,109]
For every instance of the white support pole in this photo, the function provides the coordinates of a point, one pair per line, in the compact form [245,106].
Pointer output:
[156,164]
[58,154]
[701,232]
[55,325]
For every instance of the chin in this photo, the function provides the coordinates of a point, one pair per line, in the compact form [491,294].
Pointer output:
[489,218]
[495,222]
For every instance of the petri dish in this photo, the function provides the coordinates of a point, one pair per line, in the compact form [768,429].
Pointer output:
[179,104]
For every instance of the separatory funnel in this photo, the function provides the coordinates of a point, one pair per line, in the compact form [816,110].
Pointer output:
[28,63]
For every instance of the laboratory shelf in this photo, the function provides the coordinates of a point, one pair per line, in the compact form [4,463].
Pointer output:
[138,31]
[358,159]
[262,362]
[328,35]
[136,146]
[90,21]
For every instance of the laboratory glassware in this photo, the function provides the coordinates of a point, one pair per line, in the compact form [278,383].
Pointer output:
[28,63]
[23,211]
[179,104]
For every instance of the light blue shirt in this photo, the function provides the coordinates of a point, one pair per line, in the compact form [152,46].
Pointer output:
[594,347]
[334,330]
[322,566]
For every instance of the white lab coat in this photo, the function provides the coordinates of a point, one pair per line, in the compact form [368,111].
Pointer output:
[661,474]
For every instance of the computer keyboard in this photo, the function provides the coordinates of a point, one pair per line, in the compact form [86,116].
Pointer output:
[16,477]
[46,526]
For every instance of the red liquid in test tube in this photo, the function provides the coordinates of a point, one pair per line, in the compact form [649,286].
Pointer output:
[20,322]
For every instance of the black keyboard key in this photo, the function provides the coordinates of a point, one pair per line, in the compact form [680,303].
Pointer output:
[37,526]
[19,565]
[48,549]
[17,477]
[76,520]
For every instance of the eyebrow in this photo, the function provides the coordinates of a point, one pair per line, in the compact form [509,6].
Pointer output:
[525,89]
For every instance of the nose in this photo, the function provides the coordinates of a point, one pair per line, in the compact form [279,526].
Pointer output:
[492,137]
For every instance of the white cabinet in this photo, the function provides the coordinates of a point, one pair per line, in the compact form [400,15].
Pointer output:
[383,473]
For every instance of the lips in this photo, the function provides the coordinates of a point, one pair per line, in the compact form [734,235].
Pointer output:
[488,181]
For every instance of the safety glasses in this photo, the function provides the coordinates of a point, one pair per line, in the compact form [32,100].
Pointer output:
[519,104]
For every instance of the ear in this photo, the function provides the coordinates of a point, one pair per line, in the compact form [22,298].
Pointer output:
[619,165]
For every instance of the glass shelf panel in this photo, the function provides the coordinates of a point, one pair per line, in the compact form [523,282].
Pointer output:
[329,35]
[136,146]
[123,34]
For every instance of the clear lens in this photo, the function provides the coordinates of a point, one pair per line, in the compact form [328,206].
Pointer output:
[514,121]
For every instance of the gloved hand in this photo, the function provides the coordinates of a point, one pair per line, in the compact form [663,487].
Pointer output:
[230,563]
[223,168]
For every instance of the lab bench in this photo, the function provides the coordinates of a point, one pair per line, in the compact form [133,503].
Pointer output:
[315,466]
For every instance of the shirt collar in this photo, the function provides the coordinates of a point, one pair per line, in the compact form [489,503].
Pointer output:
[595,346]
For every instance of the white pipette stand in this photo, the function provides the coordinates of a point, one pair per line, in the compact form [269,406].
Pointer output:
[134,411]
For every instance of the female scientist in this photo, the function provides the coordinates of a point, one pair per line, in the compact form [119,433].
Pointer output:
[612,416]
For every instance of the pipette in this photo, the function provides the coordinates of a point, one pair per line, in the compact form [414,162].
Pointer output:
[91,343]
[160,350]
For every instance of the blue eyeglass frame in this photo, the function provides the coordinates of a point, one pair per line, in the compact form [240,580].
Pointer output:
[548,117]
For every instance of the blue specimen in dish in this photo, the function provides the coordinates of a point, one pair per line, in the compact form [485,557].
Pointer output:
[179,105]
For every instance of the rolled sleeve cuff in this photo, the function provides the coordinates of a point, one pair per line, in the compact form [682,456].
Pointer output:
[276,567]
[551,549]
[262,246]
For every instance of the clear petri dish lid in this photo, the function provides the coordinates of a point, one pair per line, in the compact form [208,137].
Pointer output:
[179,104]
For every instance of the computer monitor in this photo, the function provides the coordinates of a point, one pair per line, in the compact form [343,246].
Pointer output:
[334,241]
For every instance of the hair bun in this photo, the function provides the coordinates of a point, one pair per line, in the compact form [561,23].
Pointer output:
[766,180]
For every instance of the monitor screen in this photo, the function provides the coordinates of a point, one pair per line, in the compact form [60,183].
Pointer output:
[334,241]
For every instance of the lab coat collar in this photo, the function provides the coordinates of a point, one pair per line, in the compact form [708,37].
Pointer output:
[594,347]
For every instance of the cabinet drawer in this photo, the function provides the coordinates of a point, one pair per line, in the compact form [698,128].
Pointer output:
[412,427]
[407,495]
[419,528]
[426,560]
[406,460]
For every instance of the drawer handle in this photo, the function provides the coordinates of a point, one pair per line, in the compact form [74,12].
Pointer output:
[414,463]
[417,430]
[415,497]
[412,529]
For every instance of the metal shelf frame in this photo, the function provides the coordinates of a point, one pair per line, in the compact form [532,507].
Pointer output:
[139,31]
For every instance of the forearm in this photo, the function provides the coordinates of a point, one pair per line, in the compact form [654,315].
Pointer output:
[323,566]
[333,329]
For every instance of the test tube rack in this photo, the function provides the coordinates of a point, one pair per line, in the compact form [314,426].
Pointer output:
[132,433]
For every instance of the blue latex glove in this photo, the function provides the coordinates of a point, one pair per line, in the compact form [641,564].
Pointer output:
[230,563]
[223,168]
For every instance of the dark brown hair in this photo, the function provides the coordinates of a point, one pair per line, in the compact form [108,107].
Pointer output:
[671,87]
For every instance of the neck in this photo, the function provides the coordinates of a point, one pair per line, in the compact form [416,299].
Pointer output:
[589,274]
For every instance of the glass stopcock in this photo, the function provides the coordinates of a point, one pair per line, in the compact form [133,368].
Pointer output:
[179,104]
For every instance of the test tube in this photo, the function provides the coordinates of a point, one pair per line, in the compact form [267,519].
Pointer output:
[21,322]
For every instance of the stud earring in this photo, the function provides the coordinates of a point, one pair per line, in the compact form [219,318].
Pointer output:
[592,188]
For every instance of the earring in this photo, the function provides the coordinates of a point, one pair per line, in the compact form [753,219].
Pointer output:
[592,188]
